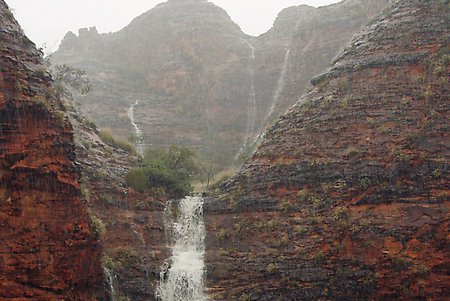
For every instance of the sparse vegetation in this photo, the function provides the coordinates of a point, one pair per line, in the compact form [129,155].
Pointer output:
[400,156]
[97,225]
[318,202]
[165,171]
[271,268]
[270,225]
[340,213]
[71,76]
[109,263]
[108,138]
[300,230]
[365,182]
[245,297]
[223,234]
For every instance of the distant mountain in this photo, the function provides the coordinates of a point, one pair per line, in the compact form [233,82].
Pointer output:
[347,198]
[199,79]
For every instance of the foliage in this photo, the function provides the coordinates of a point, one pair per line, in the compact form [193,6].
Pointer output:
[165,170]
[71,76]
[110,263]
[245,297]
[271,268]
[97,225]
[340,213]
[223,234]
[108,137]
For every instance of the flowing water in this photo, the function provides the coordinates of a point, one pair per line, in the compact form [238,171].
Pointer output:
[280,84]
[139,138]
[251,115]
[110,282]
[182,276]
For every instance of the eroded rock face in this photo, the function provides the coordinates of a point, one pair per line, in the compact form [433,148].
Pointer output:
[47,250]
[348,196]
[133,240]
[200,80]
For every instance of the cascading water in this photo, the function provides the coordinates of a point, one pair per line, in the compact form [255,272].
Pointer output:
[251,118]
[280,84]
[110,282]
[182,278]
[137,131]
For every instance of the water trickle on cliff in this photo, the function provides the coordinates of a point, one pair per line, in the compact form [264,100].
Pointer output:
[110,284]
[280,84]
[182,277]
[251,118]
[137,131]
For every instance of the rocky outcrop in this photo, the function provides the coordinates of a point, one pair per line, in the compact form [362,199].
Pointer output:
[348,196]
[47,249]
[201,82]
[131,223]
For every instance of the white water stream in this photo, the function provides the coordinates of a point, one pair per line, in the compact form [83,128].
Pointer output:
[139,138]
[182,277]
[280,84]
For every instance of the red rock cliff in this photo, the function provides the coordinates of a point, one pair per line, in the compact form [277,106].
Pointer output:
[47,251]
[348,196]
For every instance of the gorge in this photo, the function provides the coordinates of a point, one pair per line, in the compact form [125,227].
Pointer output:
[202,82]
[343,195]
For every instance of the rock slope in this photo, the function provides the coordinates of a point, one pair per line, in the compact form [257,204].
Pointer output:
[201,82]
[133,238]
[47,249]
[348,196]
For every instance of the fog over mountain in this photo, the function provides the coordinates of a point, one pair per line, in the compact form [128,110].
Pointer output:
[253,16]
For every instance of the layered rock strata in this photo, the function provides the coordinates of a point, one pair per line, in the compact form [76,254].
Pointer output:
[199,79]
[133,237]
[348,196]
[47,249]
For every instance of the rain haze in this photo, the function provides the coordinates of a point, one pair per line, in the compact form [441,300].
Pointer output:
[253,16]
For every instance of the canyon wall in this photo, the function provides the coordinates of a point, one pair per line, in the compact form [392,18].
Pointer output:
[47,247]
[347,198]
[200,80]
[132,234]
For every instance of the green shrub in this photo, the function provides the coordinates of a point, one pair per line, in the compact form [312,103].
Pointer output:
[137,179]
[318,202]
[97,225]
[340,213]
[109,263]
[271,268]
[245,297]
[165,171]
[223,234]
[300,230]
[108,138]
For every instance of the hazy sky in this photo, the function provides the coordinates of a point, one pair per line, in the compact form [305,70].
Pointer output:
[47,21]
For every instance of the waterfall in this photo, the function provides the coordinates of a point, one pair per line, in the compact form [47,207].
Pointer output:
[110,282]
[137,131]
[280,84]
[251,113]
[182,276]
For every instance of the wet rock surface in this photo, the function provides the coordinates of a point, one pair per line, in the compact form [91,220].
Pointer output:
[348,196]
[199,79]
[47,247]
[133,240]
